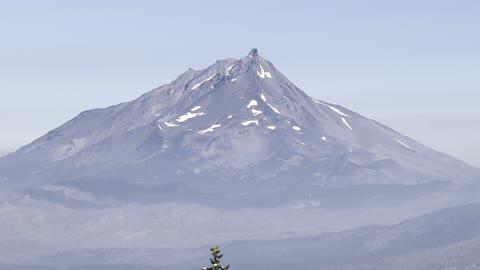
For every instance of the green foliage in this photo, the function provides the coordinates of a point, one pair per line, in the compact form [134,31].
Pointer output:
[215,261]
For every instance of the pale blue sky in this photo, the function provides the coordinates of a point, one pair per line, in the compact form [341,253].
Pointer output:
[413,65]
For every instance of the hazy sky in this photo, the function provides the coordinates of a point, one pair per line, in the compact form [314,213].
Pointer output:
[413,65]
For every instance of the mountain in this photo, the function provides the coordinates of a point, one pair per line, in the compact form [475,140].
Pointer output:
[238,123]
[446,239]
[235,155]
[419,243]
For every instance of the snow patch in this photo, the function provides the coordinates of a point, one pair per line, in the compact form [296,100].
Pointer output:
[230,116]
[324,138]
[302,143]
[246,123]
[273,108]
[160,127]
[210,129]
[227,72]
[271,127]
[331,107]
[170,124]
[296,128]
[233,80]
[252,103]
[204,81]
[196,108]
[262,96]
[346,123]
[402,143]
[188,115]
[263,73]
[256,112]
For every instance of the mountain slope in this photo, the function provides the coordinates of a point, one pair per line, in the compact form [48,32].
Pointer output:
[116,239]
[237,121]
[454,231]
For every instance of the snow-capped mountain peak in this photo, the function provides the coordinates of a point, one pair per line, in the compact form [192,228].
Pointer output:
[236,120]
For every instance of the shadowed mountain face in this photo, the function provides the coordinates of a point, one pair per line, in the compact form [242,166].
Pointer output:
[240,123]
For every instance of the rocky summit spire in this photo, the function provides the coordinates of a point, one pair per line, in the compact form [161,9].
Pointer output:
[253,52]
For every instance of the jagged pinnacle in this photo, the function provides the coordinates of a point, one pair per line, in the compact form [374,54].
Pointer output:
[253,53]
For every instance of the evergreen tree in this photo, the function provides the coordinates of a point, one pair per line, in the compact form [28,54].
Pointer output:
[215,261]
